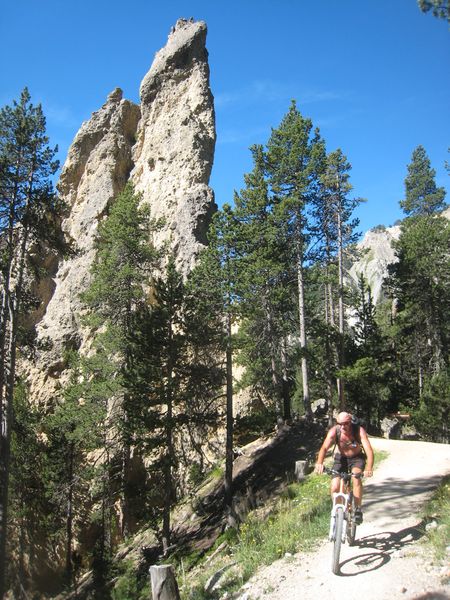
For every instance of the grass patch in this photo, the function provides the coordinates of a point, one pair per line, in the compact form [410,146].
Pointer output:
[379,456]
[130,584]
[298,520]
[438,510]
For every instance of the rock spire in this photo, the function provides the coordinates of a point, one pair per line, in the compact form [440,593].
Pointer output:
[165,147]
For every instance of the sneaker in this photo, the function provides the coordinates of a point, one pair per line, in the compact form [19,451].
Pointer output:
[358,516]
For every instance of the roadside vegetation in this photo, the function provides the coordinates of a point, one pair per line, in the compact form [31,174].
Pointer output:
[437,511]
[293,522]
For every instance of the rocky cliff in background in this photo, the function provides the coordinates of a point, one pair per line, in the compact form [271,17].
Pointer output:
[377,254]
[165,147]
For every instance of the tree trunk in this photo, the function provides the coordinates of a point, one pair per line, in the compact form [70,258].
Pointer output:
[285,383]
[273,364]
[302,324]
[228,484]
[9,371]
[163,582]
[340,382]
[168,486]
[69,519]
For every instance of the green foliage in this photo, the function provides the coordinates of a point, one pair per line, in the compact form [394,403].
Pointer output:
[367,388]
[432,417]
[438,509]
[423,197]
[29,211]
[130,584]
[295,524]
[421,282]
[251,426]
[124,260]
[439,8]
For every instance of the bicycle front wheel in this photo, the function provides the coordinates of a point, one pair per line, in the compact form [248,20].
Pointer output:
[338,539]
[351,525]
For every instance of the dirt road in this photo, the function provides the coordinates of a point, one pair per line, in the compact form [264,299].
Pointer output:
[387,562]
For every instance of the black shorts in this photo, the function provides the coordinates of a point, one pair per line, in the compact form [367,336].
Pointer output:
[346,463]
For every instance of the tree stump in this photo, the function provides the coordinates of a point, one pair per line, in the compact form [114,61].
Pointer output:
[300,469]
[164,584]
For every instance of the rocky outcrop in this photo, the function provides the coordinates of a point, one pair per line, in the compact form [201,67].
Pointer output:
[377,254]
[165,147]
[176,139]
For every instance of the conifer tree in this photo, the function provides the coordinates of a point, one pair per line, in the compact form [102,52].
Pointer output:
[123,265]
[74,429]
[171,382]
[422,196]
[222,256]
[295,160]
[335,213]
[420,282]
[28,212]
[264,292]
[439,8]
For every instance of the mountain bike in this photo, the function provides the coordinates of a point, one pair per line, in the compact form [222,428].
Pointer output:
[343,510]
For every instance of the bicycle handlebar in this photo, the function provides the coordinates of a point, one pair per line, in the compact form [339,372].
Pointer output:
[343,474]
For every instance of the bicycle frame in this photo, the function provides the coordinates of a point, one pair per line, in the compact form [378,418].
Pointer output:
[342,510]
[341,499]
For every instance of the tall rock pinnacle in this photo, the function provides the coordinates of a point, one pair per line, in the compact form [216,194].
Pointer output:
[165,147]
[174,151]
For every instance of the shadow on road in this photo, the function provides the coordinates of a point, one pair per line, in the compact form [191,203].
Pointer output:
[383,545]
[363,563]
[390,494]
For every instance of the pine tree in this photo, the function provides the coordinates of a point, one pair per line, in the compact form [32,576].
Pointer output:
[74,429]
[422,196]
[123,265]
[334,209]
[420,283]
[28,212]
[439,8]
[295,160]
[170,383]
[223,257]
[264,293]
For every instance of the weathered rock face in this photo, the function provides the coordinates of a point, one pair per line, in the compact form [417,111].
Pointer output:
[166,147]
[175,141]
[378,254]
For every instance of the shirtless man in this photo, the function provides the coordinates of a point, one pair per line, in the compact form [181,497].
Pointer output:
[351,454]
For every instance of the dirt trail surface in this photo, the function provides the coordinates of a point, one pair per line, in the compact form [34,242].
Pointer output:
[386,562]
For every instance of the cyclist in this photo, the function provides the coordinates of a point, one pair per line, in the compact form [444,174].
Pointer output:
[352,450]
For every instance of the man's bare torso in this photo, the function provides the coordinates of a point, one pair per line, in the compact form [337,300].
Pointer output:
[347,445]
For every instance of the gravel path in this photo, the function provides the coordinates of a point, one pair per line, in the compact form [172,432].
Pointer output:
[386,563]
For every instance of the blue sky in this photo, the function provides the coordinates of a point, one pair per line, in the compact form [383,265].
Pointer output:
[372,75]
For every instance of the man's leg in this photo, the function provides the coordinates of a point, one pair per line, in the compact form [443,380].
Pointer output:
[334,488]
[357,494]
[357,487]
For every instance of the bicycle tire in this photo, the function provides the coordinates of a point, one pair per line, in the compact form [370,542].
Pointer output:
[339,526]
[351,525]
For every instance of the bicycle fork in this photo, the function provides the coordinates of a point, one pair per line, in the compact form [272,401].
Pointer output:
[340,500]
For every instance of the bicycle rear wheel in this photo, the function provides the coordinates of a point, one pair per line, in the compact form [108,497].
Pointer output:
[351,525]
[338,539]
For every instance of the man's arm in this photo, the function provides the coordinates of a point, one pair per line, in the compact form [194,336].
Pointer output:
[329,439]
[368,472]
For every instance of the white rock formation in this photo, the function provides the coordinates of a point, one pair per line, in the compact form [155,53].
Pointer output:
[166,147]
[176,139]
[378,253]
